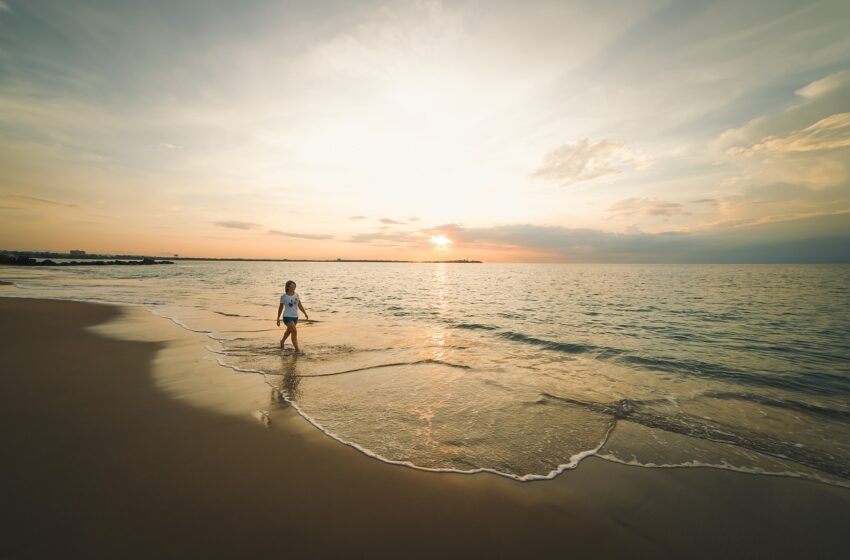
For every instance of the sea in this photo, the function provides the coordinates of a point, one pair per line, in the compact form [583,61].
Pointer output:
[524,370]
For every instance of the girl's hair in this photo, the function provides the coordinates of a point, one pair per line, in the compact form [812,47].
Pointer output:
[288,282]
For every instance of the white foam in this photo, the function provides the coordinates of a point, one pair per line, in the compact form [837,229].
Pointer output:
[571,464]
[218,338]
[180,323]
[238,369]
[726,466]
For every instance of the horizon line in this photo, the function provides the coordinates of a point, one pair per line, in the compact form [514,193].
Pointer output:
[86,256]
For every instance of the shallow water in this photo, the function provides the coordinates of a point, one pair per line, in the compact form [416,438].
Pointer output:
[526,369]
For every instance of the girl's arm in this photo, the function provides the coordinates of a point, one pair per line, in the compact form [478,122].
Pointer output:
[304,311]
[279,309]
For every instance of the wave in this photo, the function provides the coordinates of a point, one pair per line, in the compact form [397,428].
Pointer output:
[711,430]
[570,465]
[785,404]
[722,465]
[222,363]
[180,323]
[826,383]
[473,326]
[567,347]
[233,315]
[379,366]
[755,378]
[214,351]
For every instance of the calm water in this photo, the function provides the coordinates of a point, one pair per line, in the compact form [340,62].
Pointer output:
[526,369]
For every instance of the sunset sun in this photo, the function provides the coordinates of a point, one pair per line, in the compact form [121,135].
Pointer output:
[440,241]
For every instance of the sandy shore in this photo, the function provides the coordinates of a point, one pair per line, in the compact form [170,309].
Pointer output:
[107,456]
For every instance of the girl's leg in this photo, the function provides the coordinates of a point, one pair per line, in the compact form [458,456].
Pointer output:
[286,335]
[295,337]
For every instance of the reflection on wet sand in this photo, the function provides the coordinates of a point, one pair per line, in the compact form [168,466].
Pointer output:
[291,379]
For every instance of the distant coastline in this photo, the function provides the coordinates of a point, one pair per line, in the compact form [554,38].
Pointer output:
[23,260]
[134,259]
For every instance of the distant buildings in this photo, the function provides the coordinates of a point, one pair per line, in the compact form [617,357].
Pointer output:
[77,253]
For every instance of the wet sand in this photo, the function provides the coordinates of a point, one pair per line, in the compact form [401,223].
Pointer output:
[109,453]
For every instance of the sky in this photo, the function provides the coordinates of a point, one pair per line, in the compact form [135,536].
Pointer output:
[523,131]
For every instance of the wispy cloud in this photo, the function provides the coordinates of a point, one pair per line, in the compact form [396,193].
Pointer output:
[38,200]
[821,99]
[410,238]
[232,224]
[356,218]
[390,221]
[300,235]
[826,134]
[586,160]
[646,206]
[4,7]
[818,88]
[807,144]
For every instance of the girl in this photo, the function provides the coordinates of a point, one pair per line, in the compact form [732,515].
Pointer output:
[290,303]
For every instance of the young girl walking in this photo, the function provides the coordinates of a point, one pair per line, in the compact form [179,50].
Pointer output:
[290,303]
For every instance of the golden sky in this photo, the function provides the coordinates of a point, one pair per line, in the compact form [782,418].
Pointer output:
[639,131]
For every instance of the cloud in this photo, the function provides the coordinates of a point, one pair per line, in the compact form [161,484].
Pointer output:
[390,221]
[4,7]
[339,105]
[824,98]
[409,238]
[39,200]
[826,134]
[300,235]
[585,161]
[232,224]
[646,206]
[807,144]
[780,202]
[811,238]
[824,85]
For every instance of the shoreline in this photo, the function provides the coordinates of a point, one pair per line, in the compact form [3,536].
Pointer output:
[117,451]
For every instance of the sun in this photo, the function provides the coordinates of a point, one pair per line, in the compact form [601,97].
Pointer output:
[440,241]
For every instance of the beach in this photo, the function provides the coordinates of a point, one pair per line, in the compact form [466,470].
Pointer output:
[425,279]
[102,461]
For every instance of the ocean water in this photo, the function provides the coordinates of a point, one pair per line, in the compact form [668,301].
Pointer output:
[526,369]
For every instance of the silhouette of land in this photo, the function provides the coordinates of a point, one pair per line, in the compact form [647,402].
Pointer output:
[31,258]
